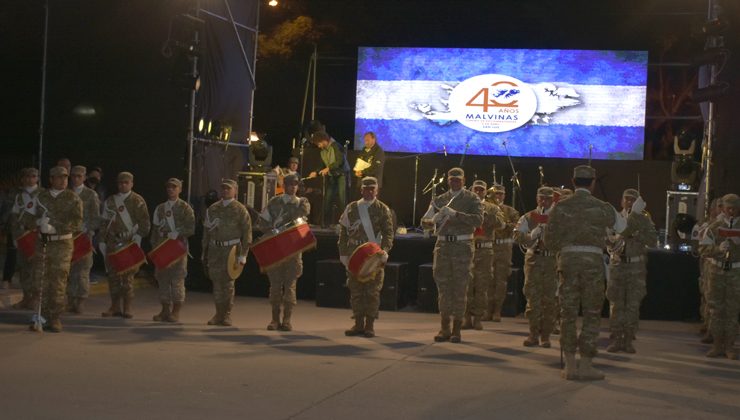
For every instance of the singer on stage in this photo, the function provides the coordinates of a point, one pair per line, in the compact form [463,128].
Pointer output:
[335,191]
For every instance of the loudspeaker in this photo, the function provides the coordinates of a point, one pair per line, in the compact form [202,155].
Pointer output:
[331,284]
[426,296]
[394,282]
[514,303]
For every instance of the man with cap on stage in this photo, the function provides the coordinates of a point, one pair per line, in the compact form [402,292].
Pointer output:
[332,156]
[721,246]
[23,222]
[227,224]
[78,286]
[540,277]
[576,230]
[174,220]
[280,210]
[477,293]
[502,250]
[365,220]
[125,221]
[625,287]
[58,217]
[456,214]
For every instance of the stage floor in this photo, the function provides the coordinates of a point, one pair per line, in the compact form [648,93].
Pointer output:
[114,368]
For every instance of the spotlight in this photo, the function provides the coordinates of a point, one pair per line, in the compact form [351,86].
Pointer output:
[272,3]
[253,137]
[201,125]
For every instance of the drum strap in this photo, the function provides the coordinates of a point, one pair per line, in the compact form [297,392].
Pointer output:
[366,224]
[123,211]
[28,199]
[169,208]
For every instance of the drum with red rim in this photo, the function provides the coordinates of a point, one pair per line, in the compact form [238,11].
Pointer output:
[365,262]
[167,253]
[272,250]
[82,247]
[126,259]
[26,243]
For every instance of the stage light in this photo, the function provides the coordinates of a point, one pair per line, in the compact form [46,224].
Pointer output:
[201,125]
[272,3]
[253,137]
[710,92]
[84,110]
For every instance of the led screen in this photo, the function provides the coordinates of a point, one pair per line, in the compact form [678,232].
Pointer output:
[537,103]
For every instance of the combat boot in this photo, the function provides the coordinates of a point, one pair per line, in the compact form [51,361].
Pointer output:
[707,339]
[226,315]
[730,351]
[533,339]
[358,328]
[487,315]
[718,347]
[163,314]
[456,337]
[54,325]
[175,314]
[369,327]
[496,316]
[127,300]
[444,334]
[115,308]
[477,325]
[79,305]
[22,304]
[545,338]
[287,313]
[216,319]
[71,304]
[616,343]
[468,323]
[627,343]
[587,372]
[569,371]
[275,323]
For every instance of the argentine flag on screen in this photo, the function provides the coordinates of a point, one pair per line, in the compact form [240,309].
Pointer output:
[583,98]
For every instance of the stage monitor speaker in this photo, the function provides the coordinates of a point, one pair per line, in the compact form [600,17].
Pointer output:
[331,284]
[394,283]
[426,295]
[680,210]
[514,302]
[256,188]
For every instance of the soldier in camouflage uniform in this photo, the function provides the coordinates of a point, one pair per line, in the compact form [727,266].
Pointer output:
[625,287]
[22,220]
[493,219]
[502,250]
[174,219]
[227,224]
[577,231]
[125,220]
[720,244]
[280,210]
[456,214]
[560,194]
[365,220]
[540,276]
[705,267]
[78,286]
[59,217]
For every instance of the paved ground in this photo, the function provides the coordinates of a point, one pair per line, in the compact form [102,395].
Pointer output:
[113,368]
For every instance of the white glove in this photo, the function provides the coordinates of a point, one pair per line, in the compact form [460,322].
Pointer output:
[42,221]
[639,205]
[173,235]
[384,257]
[536,232]
[134,229]
[137,239]
[47,228]
[344,259]
[724,246]
[242,259]
[447,211]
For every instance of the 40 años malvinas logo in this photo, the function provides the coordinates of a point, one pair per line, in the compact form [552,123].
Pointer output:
[493,103]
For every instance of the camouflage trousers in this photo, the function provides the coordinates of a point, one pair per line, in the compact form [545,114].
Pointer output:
[452,271]
[121,285]
[540,288]
[283,280]
[78,285]
[25,268]
[501,274]
[223,285]
[51,264]
[724,303]
[625,289]
[482,278]
[171,281]
[704,291]
[581,285]
[364,298]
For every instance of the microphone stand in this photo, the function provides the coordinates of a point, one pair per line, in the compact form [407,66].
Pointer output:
[417,160]
[516,186]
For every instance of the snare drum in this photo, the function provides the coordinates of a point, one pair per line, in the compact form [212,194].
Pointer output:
[274,249]
[167,253]
[365,262]
[26,243]
[126,259]
[82,247]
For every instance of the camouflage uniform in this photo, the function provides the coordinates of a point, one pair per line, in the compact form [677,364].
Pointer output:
[364,296]
[540,275]
[477,295]
[577,231]
[560,194]
[172,218]
[125,219]
[283,277]
[625,287]
[51,261]
[453,253]
[79,276]
[502,250]
[227,224]
[22,220]
[721,246]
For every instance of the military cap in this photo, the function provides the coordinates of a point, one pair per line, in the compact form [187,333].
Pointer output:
[731,200]
[456,173]
[291,179]
[294,160]
[229,183]
[125,176]
[174,181]
[498,188]
[584,171]
[479,183]
[545,192]
[78,170]
[29,172]
[58,171]
[369,181]
[631,192]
